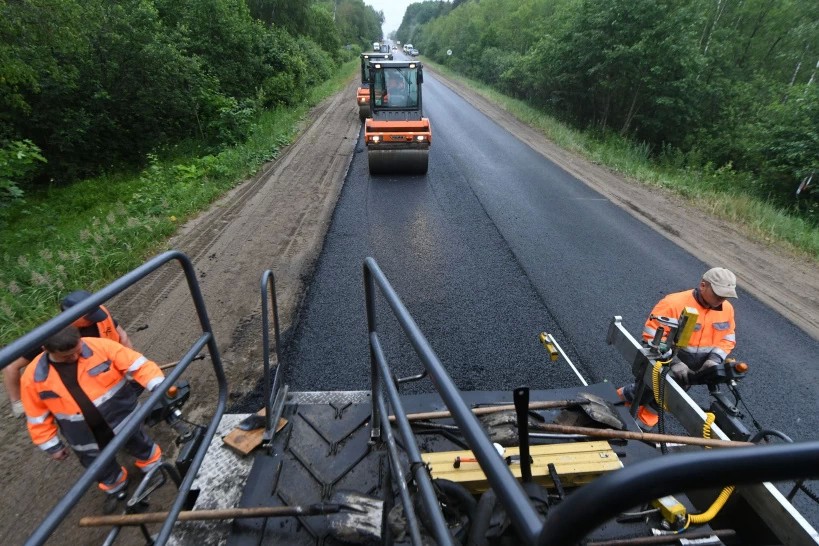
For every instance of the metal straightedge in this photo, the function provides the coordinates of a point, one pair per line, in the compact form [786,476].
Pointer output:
[777,512]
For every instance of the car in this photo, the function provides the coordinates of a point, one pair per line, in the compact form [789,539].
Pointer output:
[413,52]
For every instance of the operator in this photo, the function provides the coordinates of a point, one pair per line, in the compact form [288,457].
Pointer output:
[97,323]
[396,89]
[78,387]
[711,342]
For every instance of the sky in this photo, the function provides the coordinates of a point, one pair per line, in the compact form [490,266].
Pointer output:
[393,12]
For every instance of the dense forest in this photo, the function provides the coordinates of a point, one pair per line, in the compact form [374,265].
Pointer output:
[90,86]
[708,85]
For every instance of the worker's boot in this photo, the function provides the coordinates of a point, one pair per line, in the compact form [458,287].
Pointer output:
[113,500]
[647,415]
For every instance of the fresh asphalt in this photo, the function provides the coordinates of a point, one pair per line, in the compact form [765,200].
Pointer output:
[496,244]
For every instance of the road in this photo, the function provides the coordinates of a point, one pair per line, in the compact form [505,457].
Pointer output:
[497,243]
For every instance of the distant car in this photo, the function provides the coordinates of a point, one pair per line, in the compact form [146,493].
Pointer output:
[413,52]
[394,48]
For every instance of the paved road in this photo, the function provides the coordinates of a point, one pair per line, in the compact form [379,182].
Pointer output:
[496,244]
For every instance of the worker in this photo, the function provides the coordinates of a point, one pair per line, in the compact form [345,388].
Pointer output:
[77,387]
[397,94]
[97,323]
[711,342]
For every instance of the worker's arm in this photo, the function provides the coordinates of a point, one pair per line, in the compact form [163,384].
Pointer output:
[11,377]
[664,308]
[42,426]
[123,337]
[135,366]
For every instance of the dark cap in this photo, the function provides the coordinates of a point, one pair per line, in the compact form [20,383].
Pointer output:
[95,315]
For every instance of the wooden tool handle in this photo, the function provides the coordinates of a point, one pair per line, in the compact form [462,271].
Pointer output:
[551,404]
[644,436]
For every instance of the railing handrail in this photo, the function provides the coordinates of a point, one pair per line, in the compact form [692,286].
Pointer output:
[35,339]
[524,517]
[268,285]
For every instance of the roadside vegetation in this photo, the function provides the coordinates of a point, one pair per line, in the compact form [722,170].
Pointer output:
[151,114]
[716,100]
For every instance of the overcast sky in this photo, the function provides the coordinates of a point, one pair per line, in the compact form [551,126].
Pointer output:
[393,12]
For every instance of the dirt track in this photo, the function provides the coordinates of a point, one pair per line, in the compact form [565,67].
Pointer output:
[277,220]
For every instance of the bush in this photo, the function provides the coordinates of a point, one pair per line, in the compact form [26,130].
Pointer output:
[18,160]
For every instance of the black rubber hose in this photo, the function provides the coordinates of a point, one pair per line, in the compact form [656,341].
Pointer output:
[483,516]
[463,499]
[764,433]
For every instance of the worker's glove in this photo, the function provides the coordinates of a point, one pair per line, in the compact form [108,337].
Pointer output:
[681,373]
[708,369]
[17,408]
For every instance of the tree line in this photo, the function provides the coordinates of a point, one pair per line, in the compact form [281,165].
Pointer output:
[88,86]
[715,84]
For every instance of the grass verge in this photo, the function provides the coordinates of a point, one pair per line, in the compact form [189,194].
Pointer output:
[87,234]
[721,192]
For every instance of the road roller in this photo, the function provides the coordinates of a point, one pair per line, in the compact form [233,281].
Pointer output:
[397,134]
[363,93]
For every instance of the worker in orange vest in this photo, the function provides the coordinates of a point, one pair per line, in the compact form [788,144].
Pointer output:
[711,342]
[97,323]
[79,387]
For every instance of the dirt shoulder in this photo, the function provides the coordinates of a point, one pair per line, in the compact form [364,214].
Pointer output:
[783,281]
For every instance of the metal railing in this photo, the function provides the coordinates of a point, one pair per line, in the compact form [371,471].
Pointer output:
[273,407]
[35,339]
[524,516]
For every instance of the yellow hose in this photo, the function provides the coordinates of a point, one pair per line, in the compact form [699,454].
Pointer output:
[655,381]
[722,498]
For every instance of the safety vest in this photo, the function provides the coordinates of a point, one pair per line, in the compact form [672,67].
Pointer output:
[103,371]
[713,335]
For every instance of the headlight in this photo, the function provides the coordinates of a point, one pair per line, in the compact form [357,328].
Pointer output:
[376,138]
[420,137]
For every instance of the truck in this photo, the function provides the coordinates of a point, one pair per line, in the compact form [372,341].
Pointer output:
[382,466]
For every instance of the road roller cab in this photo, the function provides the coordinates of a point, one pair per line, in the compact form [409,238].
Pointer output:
[363,94]
[397,134]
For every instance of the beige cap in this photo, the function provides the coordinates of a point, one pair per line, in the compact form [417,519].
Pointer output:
[722,281]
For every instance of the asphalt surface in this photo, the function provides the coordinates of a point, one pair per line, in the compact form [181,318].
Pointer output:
[496,244]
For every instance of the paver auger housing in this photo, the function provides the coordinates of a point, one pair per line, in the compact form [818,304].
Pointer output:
[397,135]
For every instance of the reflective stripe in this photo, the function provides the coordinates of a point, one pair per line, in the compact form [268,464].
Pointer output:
[722,325]
[85,447]
[111,392]
[73,417]
[730,337]
[154,382]
[650,331]
[136,365]
[154,460]
[48,444]
[698,350]
[39,419]
[721,353]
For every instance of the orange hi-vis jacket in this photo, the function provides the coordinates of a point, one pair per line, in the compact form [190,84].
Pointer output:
[107,327]
[104,369]
[713,337]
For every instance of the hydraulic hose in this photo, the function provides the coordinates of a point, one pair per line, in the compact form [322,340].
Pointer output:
[722,498]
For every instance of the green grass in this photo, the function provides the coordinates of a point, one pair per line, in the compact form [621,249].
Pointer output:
[87,234]
[721,192]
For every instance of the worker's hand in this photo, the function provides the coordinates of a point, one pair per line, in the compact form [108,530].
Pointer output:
[60,455]
[707,371]
[681,373]
[17,408]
